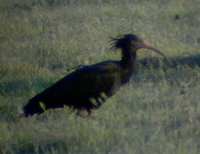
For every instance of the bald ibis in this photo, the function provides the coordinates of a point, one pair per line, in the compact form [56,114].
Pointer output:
[88,87]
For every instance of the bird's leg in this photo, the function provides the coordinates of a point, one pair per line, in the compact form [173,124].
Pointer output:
[91,114]
[82,113]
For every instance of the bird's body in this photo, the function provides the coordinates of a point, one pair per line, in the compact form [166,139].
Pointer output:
[87,88]
[81,87]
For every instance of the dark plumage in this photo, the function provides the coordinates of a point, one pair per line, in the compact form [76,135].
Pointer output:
[88,87]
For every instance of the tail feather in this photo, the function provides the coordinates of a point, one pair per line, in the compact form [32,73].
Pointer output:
[32,107]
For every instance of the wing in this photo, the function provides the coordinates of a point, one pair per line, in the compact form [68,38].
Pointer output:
[103,78]
[86,82]
[77,89]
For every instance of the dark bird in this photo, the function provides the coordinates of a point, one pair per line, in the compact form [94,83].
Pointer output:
[87,87]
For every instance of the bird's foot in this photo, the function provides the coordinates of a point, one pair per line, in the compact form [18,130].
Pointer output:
[86,114]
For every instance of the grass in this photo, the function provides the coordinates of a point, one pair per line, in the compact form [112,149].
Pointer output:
[157,112]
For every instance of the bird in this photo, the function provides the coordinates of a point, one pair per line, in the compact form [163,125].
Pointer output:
[88,87]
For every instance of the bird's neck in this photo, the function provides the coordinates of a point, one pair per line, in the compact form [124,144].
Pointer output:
[128,63]
[128,58]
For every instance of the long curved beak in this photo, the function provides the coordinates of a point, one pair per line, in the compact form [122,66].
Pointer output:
[147,45]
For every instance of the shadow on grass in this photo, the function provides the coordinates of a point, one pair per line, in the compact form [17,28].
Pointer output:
[175,69]
[191,61]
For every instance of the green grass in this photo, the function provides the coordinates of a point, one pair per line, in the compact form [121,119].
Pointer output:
[157,112]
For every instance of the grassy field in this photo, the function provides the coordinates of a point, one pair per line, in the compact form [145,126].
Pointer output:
[158,112]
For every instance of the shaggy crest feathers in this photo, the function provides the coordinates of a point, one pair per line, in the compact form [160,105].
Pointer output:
[122,41]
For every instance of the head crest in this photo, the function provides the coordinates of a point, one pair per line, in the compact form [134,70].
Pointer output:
[123,41]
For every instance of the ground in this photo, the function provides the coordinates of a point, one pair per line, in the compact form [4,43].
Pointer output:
[157,112]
